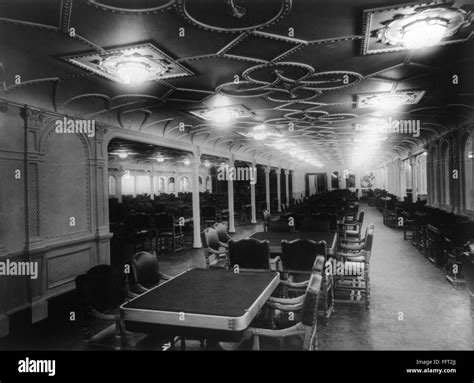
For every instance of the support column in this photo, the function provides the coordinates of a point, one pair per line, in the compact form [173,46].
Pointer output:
[134,186]
[230,193]
[196,208]
[267,186]
[152,183]
[279,189]
[118,186]
[414,178]
[287,187]
[252,194]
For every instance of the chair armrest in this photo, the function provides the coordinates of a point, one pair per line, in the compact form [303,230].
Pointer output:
[286,301]
[140,288]
[276,262]
[166,277]
[97,314]
[224,245]
[342,254]
[217,252]
[352,247]
[290,331]
[302,284]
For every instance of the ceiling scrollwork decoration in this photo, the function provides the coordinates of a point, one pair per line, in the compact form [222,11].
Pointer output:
[232,16]
[133,8]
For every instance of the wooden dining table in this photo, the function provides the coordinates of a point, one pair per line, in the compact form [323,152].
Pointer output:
[276,238]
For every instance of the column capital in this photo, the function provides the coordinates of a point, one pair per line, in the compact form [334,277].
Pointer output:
[286,171]
[267,169]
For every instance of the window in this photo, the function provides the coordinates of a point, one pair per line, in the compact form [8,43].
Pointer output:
[350,181]
[183,184]
[128,184]
[468,158]
[171,184]
[335,180]
[161,184]
[209,184]
[112,186]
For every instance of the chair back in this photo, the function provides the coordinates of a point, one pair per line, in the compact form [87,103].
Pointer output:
[300,254]
[309,312]
[221,230]
[369,240]
[139,221]
[267,217]
[208,212]
[102,288]
[145,269]
[249,253]
[281,226]
[361,217]
[210,239]
[164,222]
[318,223]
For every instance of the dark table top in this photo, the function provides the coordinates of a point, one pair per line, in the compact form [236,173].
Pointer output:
[218,299]
[276,238]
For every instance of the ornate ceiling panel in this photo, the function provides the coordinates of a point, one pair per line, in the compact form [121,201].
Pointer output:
[302,69]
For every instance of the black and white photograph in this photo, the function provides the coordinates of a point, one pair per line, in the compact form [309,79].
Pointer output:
[237,177]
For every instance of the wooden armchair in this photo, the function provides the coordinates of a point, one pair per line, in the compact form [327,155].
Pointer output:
[216,253]
[297,259]
[145,272]
[304,308]
[354,285]
[169,235]
[354,243]
[250,253]
[267,218]
[101,291]
[353,228]
[222,235]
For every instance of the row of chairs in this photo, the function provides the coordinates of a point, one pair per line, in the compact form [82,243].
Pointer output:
[155,232]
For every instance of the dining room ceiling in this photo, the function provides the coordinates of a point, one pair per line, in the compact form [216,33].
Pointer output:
[285,81]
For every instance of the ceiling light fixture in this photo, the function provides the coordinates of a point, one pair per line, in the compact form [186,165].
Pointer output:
[389,100]
[133,64]
[222,115]
[186,162]
[424,27]
[123,155]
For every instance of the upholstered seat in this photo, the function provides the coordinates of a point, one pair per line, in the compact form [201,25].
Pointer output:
[145,272]
[305,310]
[298,257]
[354,283]
[215,253]
[250,253]
[221,230]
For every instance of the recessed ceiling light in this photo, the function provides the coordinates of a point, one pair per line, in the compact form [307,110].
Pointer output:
[131,64]
[414,26]
[222,115]
[389,100]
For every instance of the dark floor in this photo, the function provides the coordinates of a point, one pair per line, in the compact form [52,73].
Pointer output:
[435,315]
